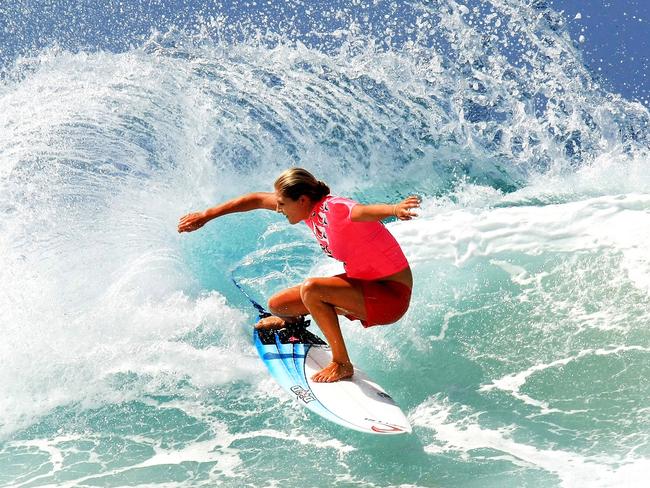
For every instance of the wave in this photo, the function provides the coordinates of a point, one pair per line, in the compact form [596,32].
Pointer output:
[528,253]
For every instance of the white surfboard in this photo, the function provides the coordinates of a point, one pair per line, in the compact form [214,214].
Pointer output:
[293,355]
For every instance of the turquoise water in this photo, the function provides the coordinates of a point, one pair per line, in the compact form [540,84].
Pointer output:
[126,352]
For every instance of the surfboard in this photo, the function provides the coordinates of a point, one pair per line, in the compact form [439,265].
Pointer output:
[292,355]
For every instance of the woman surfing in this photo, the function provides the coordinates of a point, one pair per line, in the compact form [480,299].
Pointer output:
[377,283]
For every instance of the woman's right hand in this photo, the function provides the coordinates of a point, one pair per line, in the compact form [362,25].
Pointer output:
[191,222]
[404,209]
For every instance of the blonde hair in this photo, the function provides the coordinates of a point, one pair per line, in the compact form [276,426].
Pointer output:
[295,182]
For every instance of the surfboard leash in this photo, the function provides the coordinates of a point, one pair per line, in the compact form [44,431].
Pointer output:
[302,323]
[260,309]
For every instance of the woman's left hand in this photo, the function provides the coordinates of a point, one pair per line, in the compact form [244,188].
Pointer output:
[404,209]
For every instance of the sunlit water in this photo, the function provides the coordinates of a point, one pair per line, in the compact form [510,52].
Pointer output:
[126,351]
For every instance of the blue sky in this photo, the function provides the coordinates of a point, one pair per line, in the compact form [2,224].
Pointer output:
[616,41]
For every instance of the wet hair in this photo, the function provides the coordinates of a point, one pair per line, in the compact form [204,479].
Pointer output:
[295,182]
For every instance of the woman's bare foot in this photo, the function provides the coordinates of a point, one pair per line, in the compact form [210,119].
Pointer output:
[333,372]
[271,323]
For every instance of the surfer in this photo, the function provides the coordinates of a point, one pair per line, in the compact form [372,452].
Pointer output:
[376,286]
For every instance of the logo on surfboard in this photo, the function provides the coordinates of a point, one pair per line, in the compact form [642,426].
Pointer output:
[384,427]
[302,394]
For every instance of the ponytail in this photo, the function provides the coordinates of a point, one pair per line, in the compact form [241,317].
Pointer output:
[295,182]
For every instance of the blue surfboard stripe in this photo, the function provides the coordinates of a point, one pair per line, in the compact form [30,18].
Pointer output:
[276,368]
[300,352]
[287,357]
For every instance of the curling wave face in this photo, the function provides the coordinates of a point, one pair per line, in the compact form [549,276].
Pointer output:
[125,352]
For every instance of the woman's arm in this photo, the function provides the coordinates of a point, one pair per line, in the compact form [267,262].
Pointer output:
[250,201]
[371,213]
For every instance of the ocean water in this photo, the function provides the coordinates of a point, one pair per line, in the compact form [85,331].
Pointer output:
[126,356]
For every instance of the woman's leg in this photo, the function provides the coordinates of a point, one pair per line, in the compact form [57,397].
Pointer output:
[323,299]
[286,307]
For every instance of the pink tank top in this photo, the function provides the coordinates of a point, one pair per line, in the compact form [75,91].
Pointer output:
[367,249]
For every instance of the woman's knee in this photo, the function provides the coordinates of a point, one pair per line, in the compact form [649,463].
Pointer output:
[275,303]
[286,302]
[309,289]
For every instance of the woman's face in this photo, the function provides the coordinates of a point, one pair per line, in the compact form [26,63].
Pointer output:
[294,210]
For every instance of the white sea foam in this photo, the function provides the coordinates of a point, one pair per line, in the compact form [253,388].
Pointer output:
[617,224]
[219,449]
[466,434]
[512,383]
[88,359]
